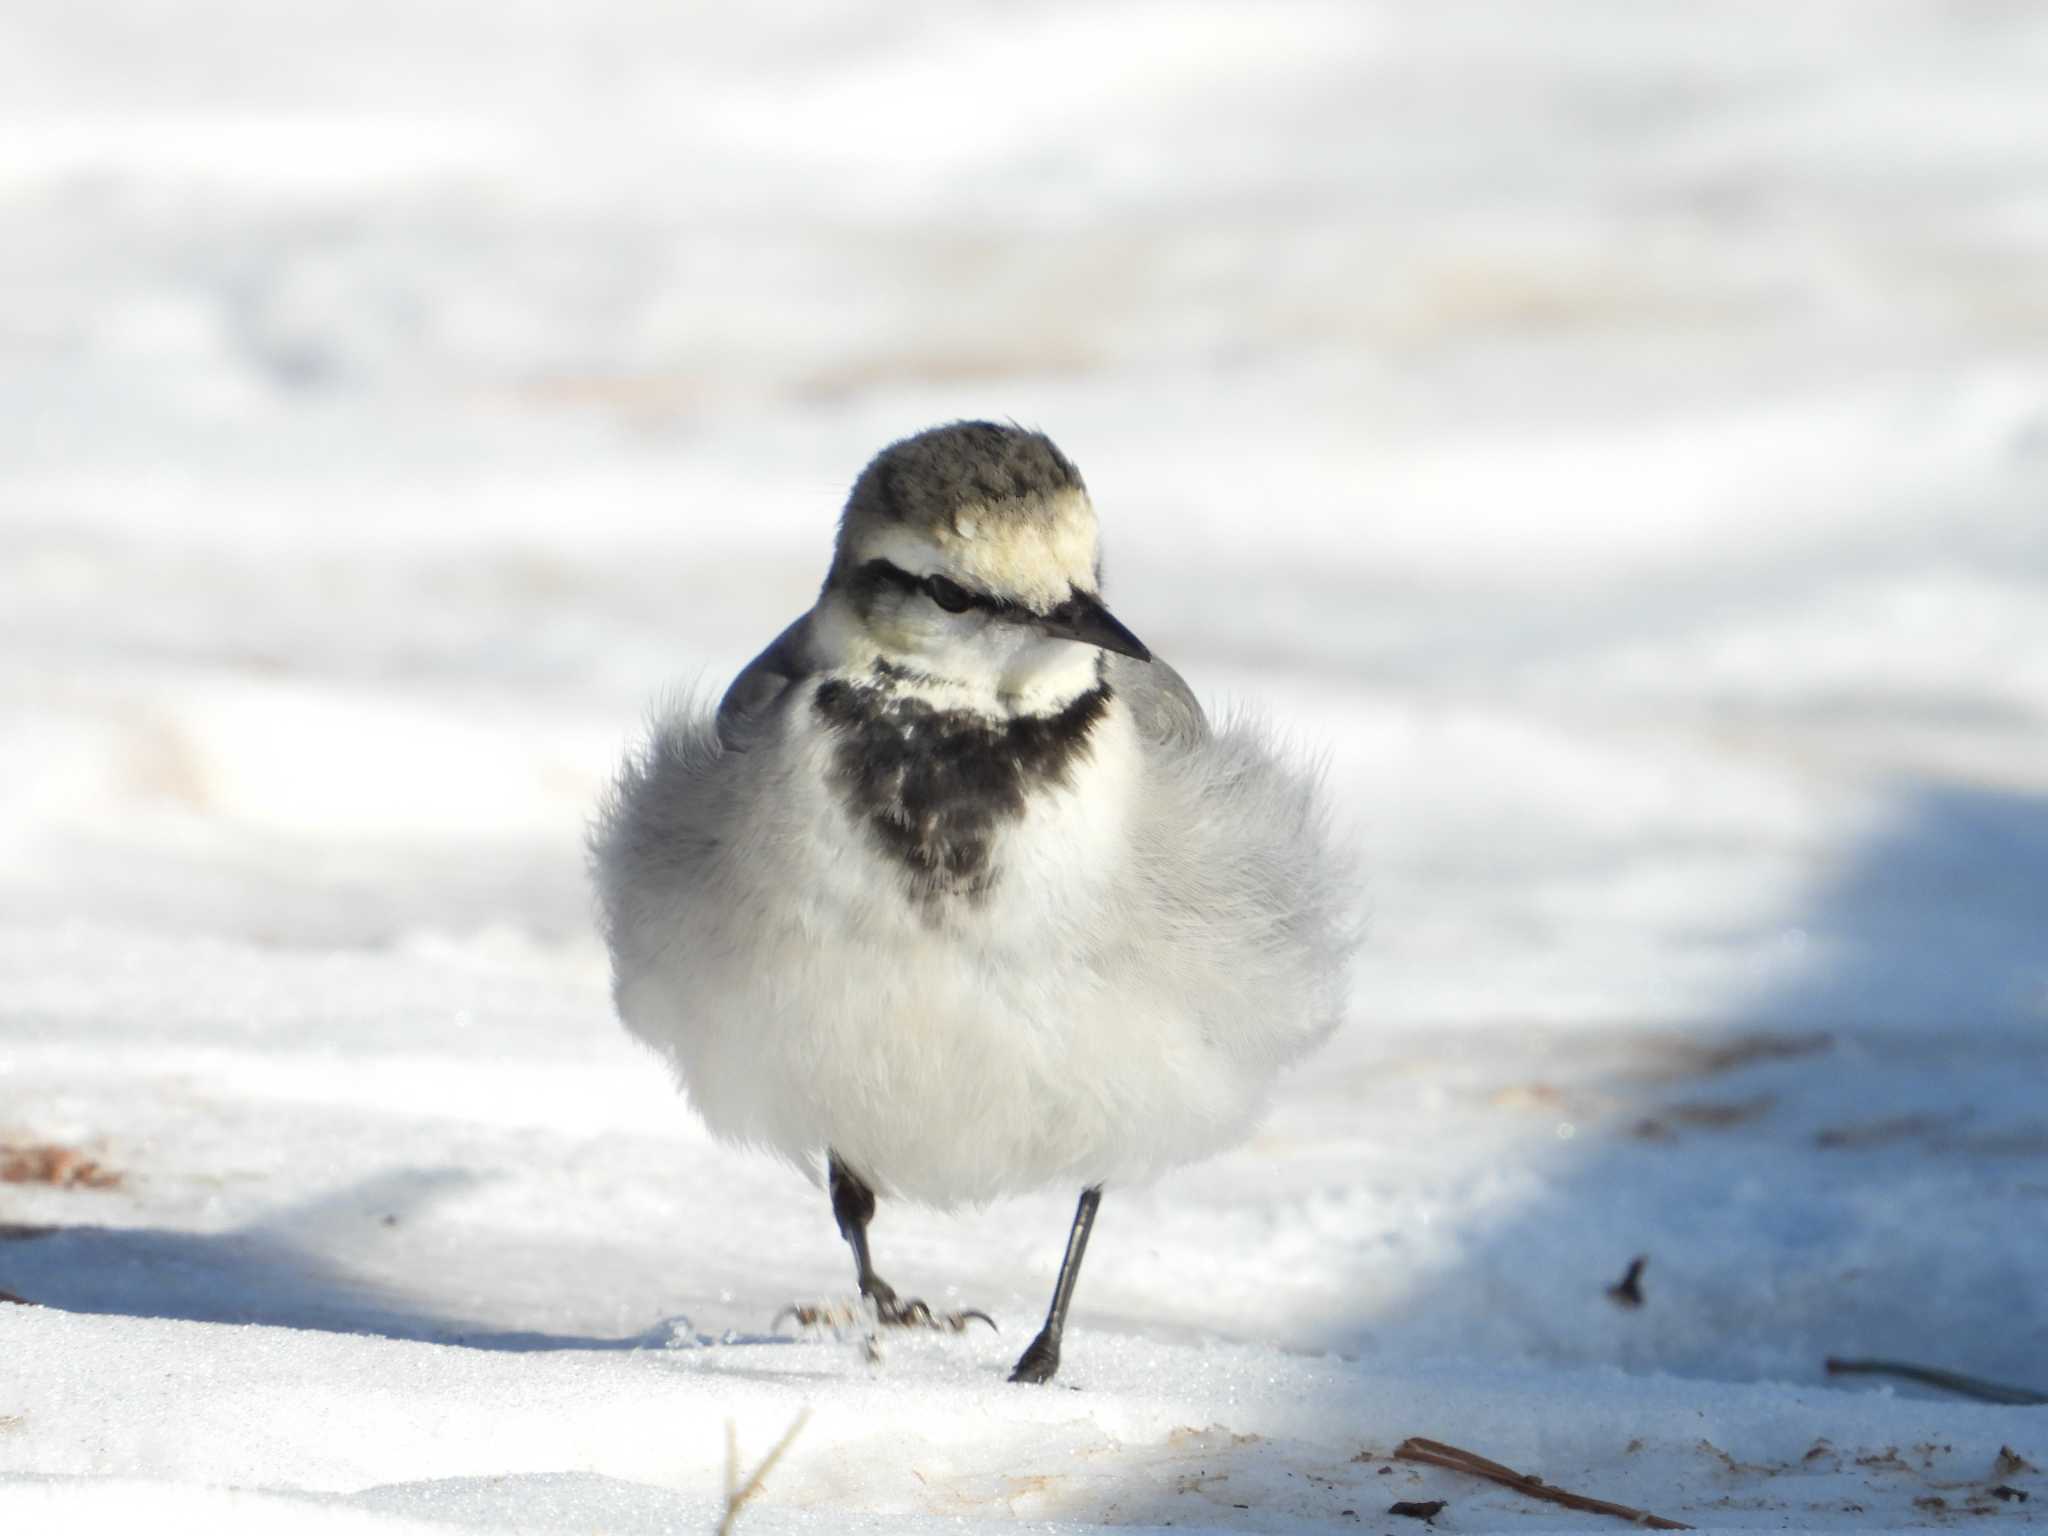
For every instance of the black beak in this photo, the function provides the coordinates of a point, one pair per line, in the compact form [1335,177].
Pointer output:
[1082,617]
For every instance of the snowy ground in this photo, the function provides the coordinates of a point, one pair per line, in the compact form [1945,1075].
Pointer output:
[1615,433]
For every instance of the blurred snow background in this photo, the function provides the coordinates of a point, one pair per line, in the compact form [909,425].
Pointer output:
[1615,433]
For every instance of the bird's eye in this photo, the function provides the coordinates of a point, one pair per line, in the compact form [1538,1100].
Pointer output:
[949,595]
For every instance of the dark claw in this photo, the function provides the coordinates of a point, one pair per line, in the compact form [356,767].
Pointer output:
[916,1313]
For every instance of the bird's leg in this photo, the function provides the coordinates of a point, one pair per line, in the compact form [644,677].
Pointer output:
[853,1207]
[1042,1359]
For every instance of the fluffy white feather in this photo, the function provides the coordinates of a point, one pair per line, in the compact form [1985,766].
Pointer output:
[1167,930]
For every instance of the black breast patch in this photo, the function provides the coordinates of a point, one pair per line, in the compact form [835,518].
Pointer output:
[935,785]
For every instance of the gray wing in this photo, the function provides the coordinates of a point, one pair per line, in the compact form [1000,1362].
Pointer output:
[1159,700]
[752,700]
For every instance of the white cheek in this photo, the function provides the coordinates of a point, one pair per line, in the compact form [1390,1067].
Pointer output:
[838,638]
[916,631]
[1044,674]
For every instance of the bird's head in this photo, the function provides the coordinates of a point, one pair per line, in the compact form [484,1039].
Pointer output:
[968,553]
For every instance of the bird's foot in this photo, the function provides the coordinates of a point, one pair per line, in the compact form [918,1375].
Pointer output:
[892,1312]
[915,1313]
[1039,1361]
[882,1309]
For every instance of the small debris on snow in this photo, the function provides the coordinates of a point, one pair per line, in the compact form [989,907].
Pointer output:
[1425,1510]
[2011,1463]
[49,1163]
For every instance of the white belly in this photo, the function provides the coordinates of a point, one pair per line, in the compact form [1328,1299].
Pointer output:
[946,1051]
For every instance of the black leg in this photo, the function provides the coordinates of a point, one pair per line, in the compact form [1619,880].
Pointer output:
[853,1207]
[1042,1359]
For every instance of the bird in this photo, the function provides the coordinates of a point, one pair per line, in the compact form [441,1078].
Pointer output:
[958,893]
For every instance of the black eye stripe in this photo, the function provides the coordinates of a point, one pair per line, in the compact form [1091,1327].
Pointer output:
[942,590]
[882,573]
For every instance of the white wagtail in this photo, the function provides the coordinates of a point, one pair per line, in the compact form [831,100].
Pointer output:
[958,893]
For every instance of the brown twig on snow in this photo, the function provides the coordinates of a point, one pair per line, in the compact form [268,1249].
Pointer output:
[736,1492]
[1948,1381]
[1436,1454]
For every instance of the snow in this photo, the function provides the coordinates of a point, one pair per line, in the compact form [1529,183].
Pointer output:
[1614,435]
